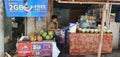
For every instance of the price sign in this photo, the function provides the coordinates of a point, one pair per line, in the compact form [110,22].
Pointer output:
[42,48]
[26,8]
[35,49]
[24,49]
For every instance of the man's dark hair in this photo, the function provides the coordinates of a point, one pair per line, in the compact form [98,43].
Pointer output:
[54,16]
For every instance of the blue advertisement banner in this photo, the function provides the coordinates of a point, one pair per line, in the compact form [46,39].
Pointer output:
[26,8]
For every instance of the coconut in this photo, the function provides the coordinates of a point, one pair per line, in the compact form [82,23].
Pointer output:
[44,34]
[96,30]
[83,30]
[48,37]
[39,38]
[51,33]
[92,31]
[41,31]
[33,37]
[87,30]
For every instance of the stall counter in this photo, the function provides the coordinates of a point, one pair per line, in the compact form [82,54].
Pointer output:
[86,43]
[44,48]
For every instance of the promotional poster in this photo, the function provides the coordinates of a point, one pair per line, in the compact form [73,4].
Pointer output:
[26,8]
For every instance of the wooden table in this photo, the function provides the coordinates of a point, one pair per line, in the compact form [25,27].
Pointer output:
[86,43]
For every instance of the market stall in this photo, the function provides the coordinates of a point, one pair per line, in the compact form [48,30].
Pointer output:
[87,39]
[37,41]
[84,36]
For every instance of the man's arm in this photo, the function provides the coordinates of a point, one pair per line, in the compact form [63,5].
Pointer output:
[53,29]
[57,25]
[49,28]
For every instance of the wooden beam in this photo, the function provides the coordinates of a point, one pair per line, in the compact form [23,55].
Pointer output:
[77,2]
[105,8]
[73,0]
[69,2]
[114,3]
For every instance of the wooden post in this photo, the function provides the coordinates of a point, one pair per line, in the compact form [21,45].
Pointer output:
[105,7]
[25,26]
[50,11]
[1,29]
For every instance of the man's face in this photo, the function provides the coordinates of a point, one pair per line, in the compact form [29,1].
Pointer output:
[54,20]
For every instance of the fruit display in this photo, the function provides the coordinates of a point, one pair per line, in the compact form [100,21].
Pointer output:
[42,35]
[35,37]
[93,31]
[47,35]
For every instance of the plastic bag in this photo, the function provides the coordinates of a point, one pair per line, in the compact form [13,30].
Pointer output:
[60,34]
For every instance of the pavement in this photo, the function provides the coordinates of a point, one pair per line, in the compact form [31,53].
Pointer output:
[65,52]
[115,53]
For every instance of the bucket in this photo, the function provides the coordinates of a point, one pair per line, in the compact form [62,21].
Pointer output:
[72,27]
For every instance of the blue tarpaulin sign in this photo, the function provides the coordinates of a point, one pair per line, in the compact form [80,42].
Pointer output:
[26,8]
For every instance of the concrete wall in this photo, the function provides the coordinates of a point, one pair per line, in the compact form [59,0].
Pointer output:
[7,29]
[30,25]
[115,30]
[63,15]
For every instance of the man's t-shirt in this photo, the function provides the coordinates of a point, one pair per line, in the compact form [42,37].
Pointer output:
[52,25]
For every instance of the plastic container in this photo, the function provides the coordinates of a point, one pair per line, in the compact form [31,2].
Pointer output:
[72,27]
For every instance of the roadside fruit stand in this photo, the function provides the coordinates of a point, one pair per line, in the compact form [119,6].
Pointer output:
[37,44]
[41,43]
[91,41]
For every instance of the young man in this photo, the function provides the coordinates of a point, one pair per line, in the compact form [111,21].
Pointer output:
[53,27]
[54,24]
